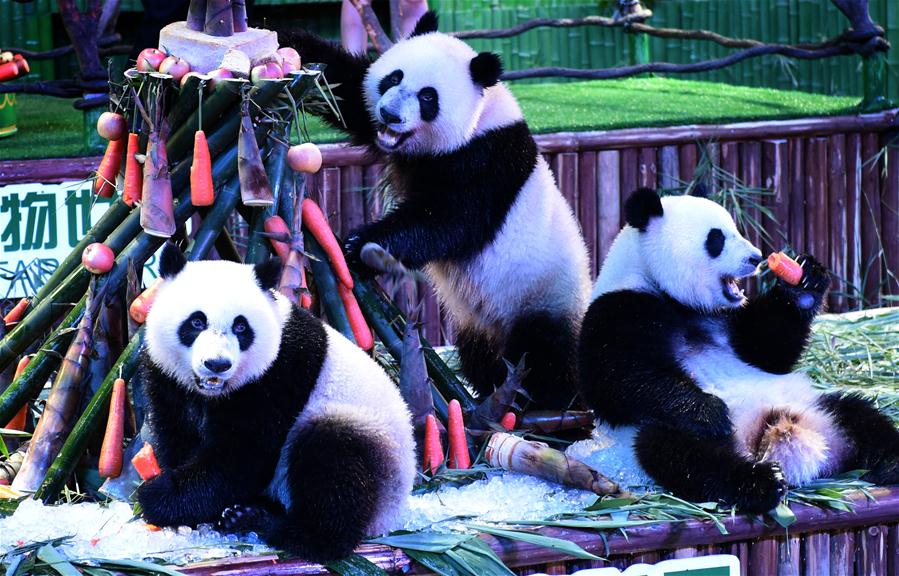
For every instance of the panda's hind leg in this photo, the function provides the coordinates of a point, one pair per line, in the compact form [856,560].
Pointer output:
[332,474]
[801,442]
[872,437]
[549,344]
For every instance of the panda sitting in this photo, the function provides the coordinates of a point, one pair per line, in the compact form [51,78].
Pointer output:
[260,411]
[671,346]
[478,207]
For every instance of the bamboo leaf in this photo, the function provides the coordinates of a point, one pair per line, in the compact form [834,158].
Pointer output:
[423,541]
[54,560]
[132,566]
[355,565]
[601,504]
[564,546]
[438,563]
[783,515]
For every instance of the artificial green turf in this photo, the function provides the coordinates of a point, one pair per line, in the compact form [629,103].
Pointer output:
[50,127]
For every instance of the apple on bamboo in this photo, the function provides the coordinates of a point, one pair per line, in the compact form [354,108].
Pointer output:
[174,66]
[149,60]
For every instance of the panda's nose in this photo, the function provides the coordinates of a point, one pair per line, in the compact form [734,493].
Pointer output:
[389,117]
[217,365]
[754,260]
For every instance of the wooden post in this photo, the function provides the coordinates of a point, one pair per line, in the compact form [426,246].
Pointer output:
[609,205]
[854,219]
[588,198]
[839,240]
[890,216]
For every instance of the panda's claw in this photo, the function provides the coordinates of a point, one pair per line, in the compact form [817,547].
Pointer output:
[760,487]
[241,518]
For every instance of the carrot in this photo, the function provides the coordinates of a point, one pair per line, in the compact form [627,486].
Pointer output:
[134,172]
[785,268]
[111,451]
[305,297]
[18,421]
[17,311]
[145,463]
[8,71]
[458,447]
[142,304]
[277,225]
[315,221]
[361,331]
[104,183]
[433,451]
[201,191]
[508,421]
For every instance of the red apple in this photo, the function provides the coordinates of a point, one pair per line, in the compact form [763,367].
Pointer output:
[288,54]
[149,59]
[98,258]
[191,75]
[112,126]
[267,71]
[174,66]
[6,56]
[217,75]
[305,157]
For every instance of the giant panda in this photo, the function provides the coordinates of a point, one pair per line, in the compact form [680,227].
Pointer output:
[670,345]
[478,207]
[265,419]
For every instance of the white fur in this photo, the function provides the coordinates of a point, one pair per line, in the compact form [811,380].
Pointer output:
[352,388]
[538,261]
[222,291]
[670,255]
[441,62]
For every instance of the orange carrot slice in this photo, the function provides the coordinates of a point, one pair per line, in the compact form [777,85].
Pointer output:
[18,421]
[305,297]
[134,172]
[145,463]
[361,331]
[201,190]
[458,447]
[111,451]
[785,268]
[433,449]
[277,225]
[508,421]
[142,304]
[17,312]
[315,221]
[104,183]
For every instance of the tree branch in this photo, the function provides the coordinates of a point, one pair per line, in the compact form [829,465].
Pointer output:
[59,88]
[376,34]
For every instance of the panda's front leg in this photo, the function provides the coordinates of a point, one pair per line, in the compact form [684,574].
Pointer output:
[188,495]
[407,237]
[771,331]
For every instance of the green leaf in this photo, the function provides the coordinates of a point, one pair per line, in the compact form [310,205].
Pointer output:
[133,566]
[591,524]
[610,503]
[355,565]
[56,561]
[564,546]
[479,547]
[437,562]
[21,564]
[423,541]
[783,515]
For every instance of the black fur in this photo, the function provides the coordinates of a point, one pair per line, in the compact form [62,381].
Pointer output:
[486,69]
[191,328]
[772,330]
[452,205]
[389,81]
[481,358]
[714,242]
[344,69]
[268,273]
[199,440]
[874,438]
[329,460]
[426,24]
[171,261]
[641,207]
[428,103]
[243,332]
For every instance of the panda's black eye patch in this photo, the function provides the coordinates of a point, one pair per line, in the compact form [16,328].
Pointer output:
[714,242]
[191,328]
[241,329]
[389,81]
[429,104]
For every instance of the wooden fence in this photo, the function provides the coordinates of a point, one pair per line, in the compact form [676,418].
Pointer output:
[831,185]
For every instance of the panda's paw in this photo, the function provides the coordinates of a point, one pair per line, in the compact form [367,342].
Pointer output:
[242,518]
[886,471]
[813,286]
[760,486]
[352,249]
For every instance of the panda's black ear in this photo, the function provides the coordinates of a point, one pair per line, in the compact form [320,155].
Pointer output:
[171,262]
[268,273]
[641,207]
[486,68]
[425,25]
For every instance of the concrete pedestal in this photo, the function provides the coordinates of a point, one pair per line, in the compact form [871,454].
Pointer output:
[204,52]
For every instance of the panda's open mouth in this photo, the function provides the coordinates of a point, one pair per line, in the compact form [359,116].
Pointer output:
[210,383]
[389,139]
[730,286]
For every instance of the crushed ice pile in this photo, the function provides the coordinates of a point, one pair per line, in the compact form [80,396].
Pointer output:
[610,451]
[109,531]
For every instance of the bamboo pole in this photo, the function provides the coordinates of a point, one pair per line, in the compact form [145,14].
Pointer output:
[327,288]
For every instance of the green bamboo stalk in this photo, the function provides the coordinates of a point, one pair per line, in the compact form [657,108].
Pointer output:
[187,102]
[84,428]
[258,247]
[327,287]
[223,97]
[29,384]
[215,219]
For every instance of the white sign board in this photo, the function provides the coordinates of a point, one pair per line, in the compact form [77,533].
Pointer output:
[39,226]
[713,565]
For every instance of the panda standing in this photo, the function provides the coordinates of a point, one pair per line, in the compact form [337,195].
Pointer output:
[478,207]
[671,346]
[265,419]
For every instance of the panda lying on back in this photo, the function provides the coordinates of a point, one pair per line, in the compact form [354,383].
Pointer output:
[478,209]
[670,345]
[259,410]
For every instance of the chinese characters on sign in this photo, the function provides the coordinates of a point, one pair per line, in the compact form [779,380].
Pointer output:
[39,226]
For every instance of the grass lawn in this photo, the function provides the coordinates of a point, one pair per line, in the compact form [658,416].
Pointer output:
[50,127]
